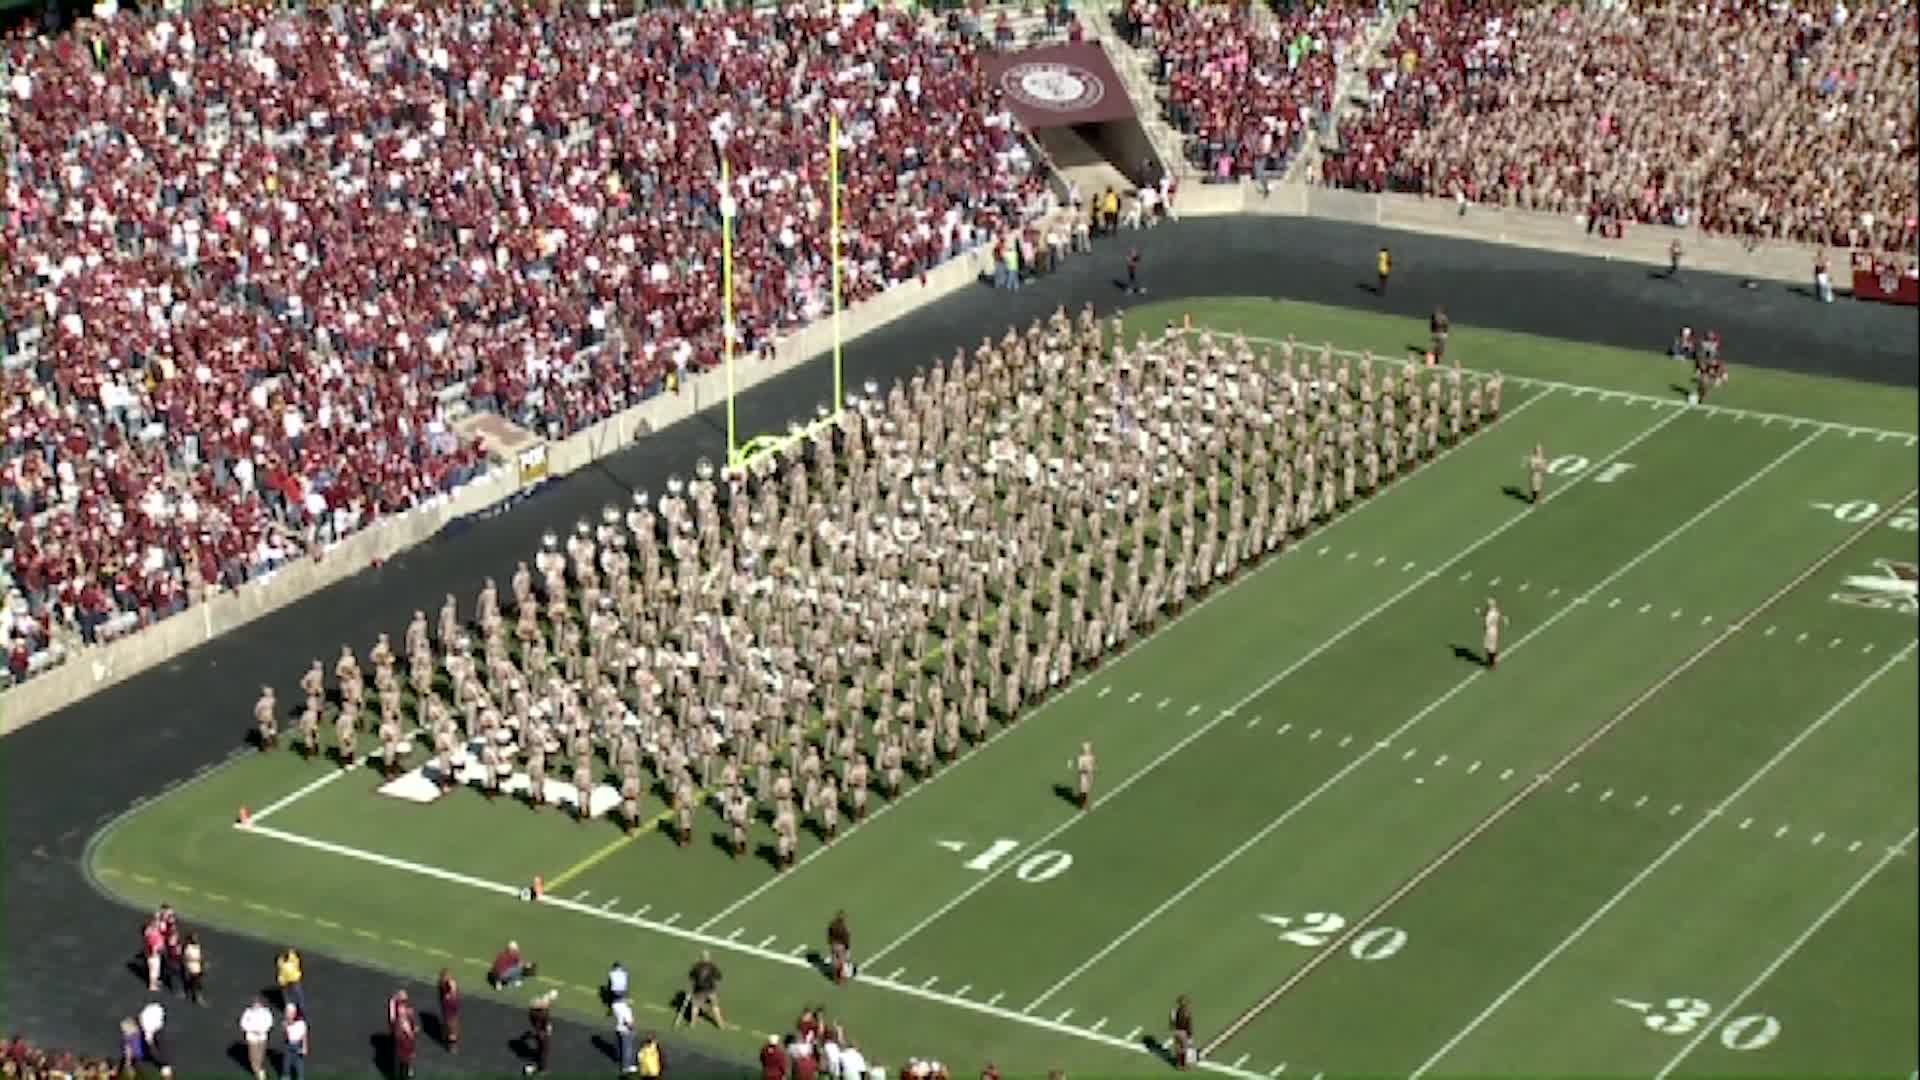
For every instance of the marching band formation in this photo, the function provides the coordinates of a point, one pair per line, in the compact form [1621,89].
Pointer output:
[895,586]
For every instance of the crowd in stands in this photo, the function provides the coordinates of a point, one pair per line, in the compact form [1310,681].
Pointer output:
[1791,120]
[1245,91]
[22,1060]
[259,263]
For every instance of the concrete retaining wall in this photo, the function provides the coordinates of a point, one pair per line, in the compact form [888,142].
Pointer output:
[1524,228]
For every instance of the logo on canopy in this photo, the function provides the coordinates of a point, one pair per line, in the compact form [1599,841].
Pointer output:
[1054,86]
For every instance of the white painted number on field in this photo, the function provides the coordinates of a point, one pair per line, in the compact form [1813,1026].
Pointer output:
[1378,943]
[1861,511]
[1036,868]
[1683,1015]
[1574,465]
[1314,929]
[1749,1032]
[1679,1016]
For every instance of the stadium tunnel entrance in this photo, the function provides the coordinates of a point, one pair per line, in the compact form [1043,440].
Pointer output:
[1073,102]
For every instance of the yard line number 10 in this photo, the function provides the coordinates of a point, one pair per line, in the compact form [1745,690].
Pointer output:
[1041,866]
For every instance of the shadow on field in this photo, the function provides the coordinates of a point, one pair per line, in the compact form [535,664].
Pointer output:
[1515,491]
[1067,795]
[385,1063]
[1468,655]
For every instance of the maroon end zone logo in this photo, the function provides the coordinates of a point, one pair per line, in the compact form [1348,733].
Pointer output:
[1053,86]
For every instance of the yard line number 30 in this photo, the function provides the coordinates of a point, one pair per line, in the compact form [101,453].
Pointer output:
[1684,1015]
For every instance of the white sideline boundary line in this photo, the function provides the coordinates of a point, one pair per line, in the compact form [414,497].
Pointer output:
[300,792]
[1793,947]
[1078,683]
[452,877]
[1386,742]
[1546,776]
[1393,362]
[1267,685]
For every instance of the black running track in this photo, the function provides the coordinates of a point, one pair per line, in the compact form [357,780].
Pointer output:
[64,979]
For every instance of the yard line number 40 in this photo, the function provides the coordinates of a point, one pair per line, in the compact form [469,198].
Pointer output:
[1683,1016]
[1861,511]
[1576,465]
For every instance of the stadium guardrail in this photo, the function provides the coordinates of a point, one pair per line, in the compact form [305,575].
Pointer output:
[92,668]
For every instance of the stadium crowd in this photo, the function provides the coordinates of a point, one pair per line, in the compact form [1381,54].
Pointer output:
[259,262]
[1793,120]
[22,1060]
[1245,91]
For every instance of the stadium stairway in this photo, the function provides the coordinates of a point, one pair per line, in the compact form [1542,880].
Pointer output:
[1135,71]
[1350,93]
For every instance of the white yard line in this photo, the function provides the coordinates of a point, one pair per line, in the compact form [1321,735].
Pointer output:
[1787,954]
[1706,820]
[761,889]
[300,792]
[452,877]
[1250,698]
[1382,744]
[1392,363]
[1524,791]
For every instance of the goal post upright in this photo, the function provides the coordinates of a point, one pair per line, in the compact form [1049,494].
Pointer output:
[726,302]
[833,199]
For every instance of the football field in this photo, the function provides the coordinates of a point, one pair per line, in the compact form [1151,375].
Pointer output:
[1673,832]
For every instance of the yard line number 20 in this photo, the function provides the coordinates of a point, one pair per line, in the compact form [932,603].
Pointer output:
[1316,928]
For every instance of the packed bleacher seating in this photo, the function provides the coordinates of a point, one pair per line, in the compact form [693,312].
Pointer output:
[1246,92]
[1790,120]
[259,263]
[21,1060]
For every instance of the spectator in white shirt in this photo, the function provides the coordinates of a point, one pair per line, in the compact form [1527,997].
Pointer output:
[256,1025]
[623,1031]
[153,1022]
[295,1066]
[830,1054]
[617,982]
[853,1064]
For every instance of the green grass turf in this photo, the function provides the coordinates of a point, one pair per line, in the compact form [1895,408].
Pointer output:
[1684,606]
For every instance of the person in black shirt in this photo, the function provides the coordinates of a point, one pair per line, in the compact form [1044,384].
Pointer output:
[1133,272]
[840,947]
[540,1032]
[1440,325]
[703,992]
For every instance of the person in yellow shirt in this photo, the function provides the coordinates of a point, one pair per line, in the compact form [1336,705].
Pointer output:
[650,1062]
[287,974]
[1385,268]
